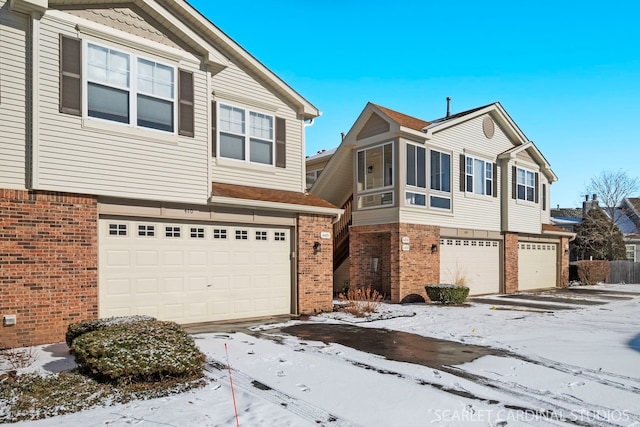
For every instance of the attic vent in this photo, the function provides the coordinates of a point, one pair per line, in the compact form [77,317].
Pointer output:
[488,127]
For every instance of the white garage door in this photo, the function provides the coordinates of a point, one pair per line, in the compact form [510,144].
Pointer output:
[536,265]
[192,273]
[477,261]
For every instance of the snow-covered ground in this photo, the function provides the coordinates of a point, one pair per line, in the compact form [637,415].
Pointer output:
[565,367]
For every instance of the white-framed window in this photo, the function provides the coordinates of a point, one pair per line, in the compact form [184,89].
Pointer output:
[479,176]
[242,235]
[375,173]
[129,89]
[525,185]
[631,252]
[145,230]
[220,233]
[171,231]
[117,229]
[246,135]
[196,232]
[280,236]
[440,179]
[261,235]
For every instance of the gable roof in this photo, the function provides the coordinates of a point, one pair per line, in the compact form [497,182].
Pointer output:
[402,119]
[198,31]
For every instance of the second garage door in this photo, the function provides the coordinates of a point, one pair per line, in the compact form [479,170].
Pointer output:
[193,272]
[477,261]
[536,265]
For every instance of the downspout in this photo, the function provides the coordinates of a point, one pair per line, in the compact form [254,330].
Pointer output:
[305,125]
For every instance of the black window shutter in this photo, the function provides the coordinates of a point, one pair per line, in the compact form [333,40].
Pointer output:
[544,197]
[185,106]
[514,183]
[70,75]
[463,172]
[281,143]
[537,186]
[214,130]
[494,178]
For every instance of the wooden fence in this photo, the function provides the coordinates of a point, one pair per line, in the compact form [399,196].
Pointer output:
[624,272]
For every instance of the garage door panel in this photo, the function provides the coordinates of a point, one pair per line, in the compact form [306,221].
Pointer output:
[187,273]
[537,265]
[476,261]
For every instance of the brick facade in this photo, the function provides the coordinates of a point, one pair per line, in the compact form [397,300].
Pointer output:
[314,267]
[563,250]
[510,252]
[399,272]
[48,264]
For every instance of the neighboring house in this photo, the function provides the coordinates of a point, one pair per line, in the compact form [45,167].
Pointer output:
[149,165]
[464,197]
[315,164]
[627,219]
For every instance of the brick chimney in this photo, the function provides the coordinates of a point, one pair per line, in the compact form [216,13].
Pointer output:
[587,205]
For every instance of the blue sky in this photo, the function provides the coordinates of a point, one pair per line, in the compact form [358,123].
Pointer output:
[568,72]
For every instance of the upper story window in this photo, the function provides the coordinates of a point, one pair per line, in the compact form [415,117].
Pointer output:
[125,88]
[246,135]
[439,167]
[375,173]
[440,173]
[631,252]
[312,176]
[525,185]
[479,176]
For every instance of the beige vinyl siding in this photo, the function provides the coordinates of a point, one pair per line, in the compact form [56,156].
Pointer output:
[250,93]
[482,212]
[13,75]
[521,216]
[120,162]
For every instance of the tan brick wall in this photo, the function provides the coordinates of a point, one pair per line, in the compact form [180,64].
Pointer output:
[400,273]
[48,264]
[315,269]
[510,262]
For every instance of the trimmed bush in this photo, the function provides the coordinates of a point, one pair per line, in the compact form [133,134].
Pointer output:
[145,350]
[447,294]
[593,272]
[81,328]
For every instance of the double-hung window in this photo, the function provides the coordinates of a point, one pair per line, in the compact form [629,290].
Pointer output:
[631,252]
[375,176]
[479,176]
[246,135]
[526,185]
[128,89]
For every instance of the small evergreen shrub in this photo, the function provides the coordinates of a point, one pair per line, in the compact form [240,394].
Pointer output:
[81,328]
[139,351]
[593,272]
[447,294]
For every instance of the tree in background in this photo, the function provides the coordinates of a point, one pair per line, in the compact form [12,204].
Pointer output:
[597,237]
[612,188]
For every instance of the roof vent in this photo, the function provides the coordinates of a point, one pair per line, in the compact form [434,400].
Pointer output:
[448,106]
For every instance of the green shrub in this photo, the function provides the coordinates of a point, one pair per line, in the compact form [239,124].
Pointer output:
[447,294]
[593,272]
[81,328]
[145,350]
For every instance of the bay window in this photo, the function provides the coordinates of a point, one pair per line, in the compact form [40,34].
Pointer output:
[375,173]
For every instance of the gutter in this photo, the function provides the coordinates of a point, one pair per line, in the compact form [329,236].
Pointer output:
[274,206]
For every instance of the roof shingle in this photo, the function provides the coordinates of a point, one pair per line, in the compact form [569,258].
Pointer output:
[268,195]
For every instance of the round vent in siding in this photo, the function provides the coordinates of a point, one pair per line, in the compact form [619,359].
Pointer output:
[488,127]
